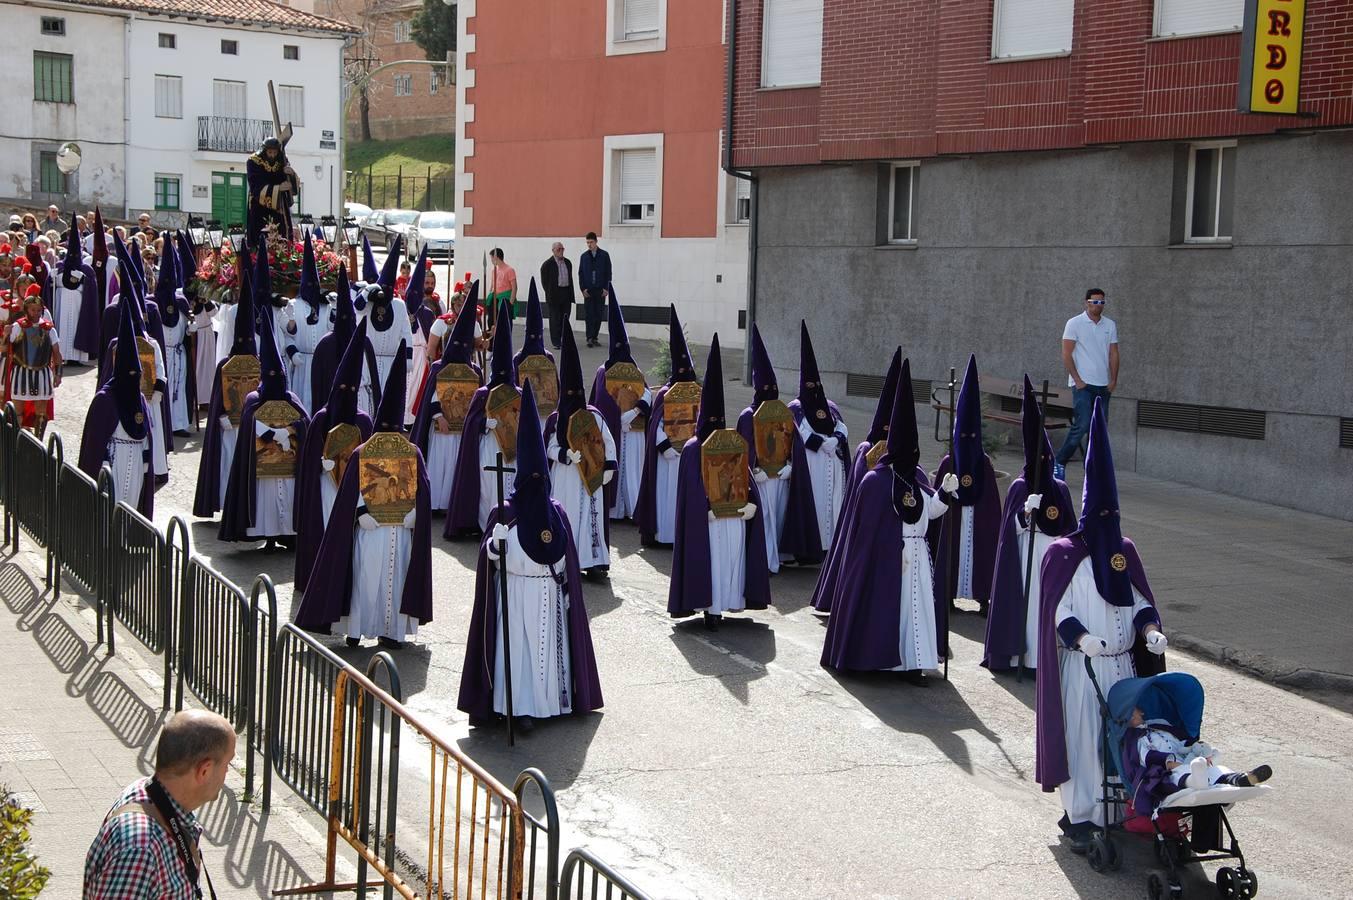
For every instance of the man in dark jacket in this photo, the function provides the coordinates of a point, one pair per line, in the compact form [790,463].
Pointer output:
[556,277]
[594,273]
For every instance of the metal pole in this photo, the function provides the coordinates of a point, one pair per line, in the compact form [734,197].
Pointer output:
[948,531]
[1034,488]
[500,469]
[399,189]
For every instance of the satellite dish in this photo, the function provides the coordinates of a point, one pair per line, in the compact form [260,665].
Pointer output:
[68,158]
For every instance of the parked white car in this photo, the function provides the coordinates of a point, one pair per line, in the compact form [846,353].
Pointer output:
[435,230]
[358,212]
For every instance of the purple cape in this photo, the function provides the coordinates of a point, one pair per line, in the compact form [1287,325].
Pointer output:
[154,329]
[691,585]
[328,595]
[308,508]
[862,634]
[799,536]
[324,368]
[429,406]
[1059,565]
[476,678]
[100,423]
[986,531]
[601,400]
[552,422]
[86,337]
[1005,625]
[208,497]
[825,589]
[462,514]
[646,507]
[242,489]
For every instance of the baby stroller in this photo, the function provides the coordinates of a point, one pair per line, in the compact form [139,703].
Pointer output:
[1187,825]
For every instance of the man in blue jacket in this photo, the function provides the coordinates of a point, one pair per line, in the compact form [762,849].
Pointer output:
[594,274]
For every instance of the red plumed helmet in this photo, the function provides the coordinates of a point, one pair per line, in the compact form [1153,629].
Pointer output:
[34,290]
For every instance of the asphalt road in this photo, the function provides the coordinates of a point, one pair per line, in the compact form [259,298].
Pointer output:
[731,765]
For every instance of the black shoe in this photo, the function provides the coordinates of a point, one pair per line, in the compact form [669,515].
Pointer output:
[481,721]
[1064,823]
[523,724]
[1257,775]
[1080,842]
[390,643]
[712,621]
[916,678]
[183,432]
[354,642]
[599,572]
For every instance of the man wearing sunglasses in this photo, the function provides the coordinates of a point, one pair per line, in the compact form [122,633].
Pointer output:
[1090,355]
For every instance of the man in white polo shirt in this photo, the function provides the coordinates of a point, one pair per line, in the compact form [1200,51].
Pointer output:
[1090,355]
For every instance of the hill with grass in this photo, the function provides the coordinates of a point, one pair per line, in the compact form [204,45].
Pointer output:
[414,172]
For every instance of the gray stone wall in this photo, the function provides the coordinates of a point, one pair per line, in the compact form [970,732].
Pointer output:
[1008,244]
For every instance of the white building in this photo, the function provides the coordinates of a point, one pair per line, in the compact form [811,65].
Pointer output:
[167,99]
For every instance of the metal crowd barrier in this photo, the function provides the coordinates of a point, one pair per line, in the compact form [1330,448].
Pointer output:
[330,732]
[605,882]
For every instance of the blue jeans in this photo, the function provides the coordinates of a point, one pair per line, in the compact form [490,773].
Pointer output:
[1083,405]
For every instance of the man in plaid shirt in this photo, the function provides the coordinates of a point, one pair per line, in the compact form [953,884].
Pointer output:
[147,848]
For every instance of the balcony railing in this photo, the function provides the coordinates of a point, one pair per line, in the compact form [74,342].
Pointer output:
[228,134]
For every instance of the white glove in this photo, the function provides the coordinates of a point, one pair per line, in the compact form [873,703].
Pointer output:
[671,453]
[410,518]
[759,475]
[225,424]
[77,276]
[367,522]
[712,517]
[490,424]
[949,484]
[628,417]
[500,532]
[1032,502]
[179,295]
[784,473]
[829,445]
[748,512]
[327,464]
[607,475]
[156,397]
[575,457]
[1156,641]
[1092,646]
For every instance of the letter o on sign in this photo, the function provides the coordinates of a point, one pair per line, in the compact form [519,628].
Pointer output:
[1273,91]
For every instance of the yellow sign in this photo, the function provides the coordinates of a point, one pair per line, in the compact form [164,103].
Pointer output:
[1270,56]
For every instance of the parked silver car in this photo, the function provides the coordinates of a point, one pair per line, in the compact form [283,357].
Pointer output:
[435,230]
[382,225]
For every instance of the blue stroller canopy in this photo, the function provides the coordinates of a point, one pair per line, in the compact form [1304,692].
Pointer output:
[1175,697]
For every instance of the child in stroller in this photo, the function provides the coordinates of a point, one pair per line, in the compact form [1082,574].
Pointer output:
[1170,785]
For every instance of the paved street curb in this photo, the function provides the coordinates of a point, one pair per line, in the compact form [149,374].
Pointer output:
[1269,669]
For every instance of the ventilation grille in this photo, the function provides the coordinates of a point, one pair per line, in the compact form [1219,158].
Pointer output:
[1011,404]
[920,389]
[1220,420]
[872,385]
[1346,433]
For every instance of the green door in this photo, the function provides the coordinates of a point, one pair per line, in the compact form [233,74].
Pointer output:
[228,197]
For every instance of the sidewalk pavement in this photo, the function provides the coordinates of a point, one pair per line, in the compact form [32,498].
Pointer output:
[1256,586]
[76,727]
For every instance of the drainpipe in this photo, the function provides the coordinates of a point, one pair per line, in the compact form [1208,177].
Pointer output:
[744,176]
[127,118]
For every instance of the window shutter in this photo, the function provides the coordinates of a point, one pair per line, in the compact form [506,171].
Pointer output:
[1031,27]
[228,99]
[641,18]
[168,96]
[638,176]
[291,104]
[1198,16]
[793,43]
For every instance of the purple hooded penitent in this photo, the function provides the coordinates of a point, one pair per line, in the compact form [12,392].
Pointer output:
[458,347]
[691,583]
[534,514]
[683,369]
[533,335]
[332,346]
[86,337]
[120,402]
[370,274]
[601,399]
[1007,615]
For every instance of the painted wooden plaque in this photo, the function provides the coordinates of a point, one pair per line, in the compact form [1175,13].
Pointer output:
[680,408]
[270,460]
[388,477]
[456,384]
[544,377]
[239,378]
[723,465]
[145,352]
[504,404]
[585,436]
[339,443]
[625,384]
[773,426]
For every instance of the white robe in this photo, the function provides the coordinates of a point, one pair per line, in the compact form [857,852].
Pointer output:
[488,481]
[629,476]
[176,373]
[443,452]
[305,340]
[1081,794]
[380,562]
[68,303]
[386,343]
[127,459]
[160,452]
[666,493]
[727,565]
[204,353]
[828,476]
[273,501]
[917,637]
[223,323]
[774,503]
[1041,544]
[586,512]
[415,372]
[965,565]
[537,609]
[229,437]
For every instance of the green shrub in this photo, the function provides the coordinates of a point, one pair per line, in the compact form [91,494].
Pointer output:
[21,878]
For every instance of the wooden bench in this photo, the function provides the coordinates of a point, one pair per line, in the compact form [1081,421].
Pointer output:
[1058,403]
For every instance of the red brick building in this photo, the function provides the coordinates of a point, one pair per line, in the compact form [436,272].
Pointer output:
[952,176]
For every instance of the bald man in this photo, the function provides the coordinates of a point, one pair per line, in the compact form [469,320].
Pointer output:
[556,278]
[147,846]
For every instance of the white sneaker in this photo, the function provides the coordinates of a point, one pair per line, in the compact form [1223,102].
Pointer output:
[1197,773]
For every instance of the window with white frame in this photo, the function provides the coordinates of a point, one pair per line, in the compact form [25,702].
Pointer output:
[403,31]
[291,104]
[639,19]
[168,97]
[1208,216]
[791,53]
[902,180]
[1178,17]
[403,85]
[635,26]
[1031,27]
[638,185]
[740,194]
